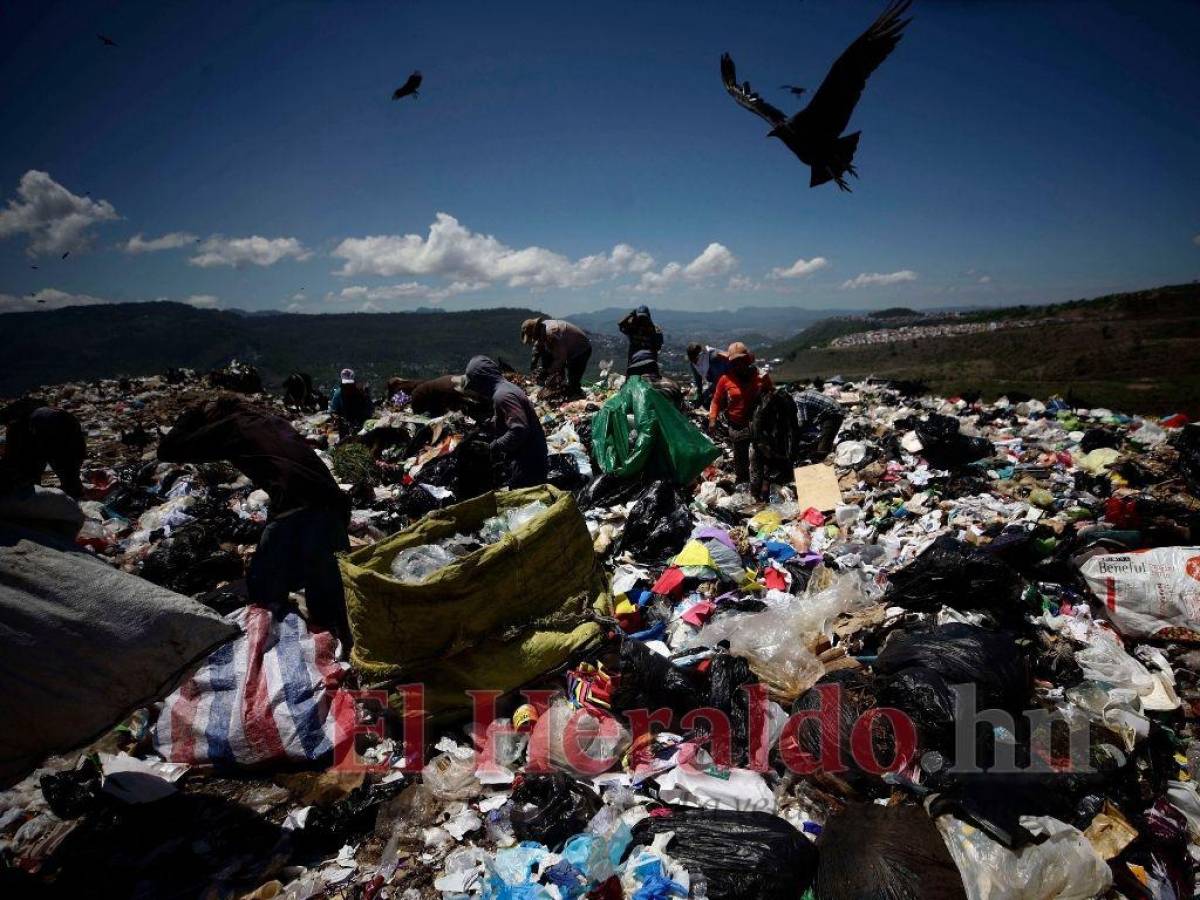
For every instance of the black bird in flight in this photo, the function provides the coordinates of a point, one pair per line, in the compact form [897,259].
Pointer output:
[794,89]
[33,267]
[65,255]
[814,133]
[106,40]
[409,87]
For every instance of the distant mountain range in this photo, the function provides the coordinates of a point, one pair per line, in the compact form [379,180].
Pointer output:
[84,343]
[752,324]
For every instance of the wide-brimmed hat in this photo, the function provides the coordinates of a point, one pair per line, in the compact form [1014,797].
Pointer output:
[529,329]
[738,351]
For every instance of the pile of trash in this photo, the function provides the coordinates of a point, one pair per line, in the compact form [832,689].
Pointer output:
[955,657]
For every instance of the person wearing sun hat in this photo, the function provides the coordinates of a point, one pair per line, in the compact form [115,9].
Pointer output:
[734,401]
[350,403]
[560,352]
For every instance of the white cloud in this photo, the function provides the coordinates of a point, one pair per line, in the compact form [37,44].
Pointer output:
[800,268]
[714,260]
[254,250]
[453,251]
[985,279]
[1196,240]
[875,279]
[408,290]
[54,219]
[172,241]
[47,298]
[742,283]
[203,301]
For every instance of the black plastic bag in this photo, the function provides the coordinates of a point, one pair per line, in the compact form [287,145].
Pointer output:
[346,821]
[872,852]
[924,696]
[73,793]
[658,526]
[562,471]
[776,432]
[963,654]
[728,674]
[1095,438]
[551,808]
[190,561]
[943,445]
[950,573]
[650,681]
[1188,445]
[609,490]
[753,855]
[855,696]
[413,501]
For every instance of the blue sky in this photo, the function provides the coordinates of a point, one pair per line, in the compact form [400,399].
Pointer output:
[576,156]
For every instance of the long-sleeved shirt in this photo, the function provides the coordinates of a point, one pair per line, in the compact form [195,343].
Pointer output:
[351,403]
[562,343]
[521,439]
[265,448]
[738,396]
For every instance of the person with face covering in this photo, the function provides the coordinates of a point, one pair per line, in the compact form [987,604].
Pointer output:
[521,442]
[644,336]
[734,400]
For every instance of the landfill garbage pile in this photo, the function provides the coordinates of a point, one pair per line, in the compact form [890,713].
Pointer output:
[955,657]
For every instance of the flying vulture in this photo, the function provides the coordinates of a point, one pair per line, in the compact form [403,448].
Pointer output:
[815,133]
[65,255]
[795,90]
[106,40]
[409,87]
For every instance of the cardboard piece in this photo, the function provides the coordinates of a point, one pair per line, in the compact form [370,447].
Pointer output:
[817,487]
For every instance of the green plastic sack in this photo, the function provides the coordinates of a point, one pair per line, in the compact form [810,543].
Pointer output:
[494,620]
[667,444]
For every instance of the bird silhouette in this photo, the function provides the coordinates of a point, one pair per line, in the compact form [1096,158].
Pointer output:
[65,255]
[814,133]
[409,87]
[794,89]
[33,267]
[106,40]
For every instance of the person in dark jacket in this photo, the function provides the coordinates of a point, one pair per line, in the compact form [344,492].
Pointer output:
[309,513]
[643,334]
[522,442]
[645,364]
[350,402]
[37,436]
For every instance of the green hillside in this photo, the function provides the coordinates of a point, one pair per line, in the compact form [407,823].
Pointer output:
[1138,352]
[89,342]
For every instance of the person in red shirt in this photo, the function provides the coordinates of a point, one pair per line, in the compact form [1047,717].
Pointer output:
[734,400]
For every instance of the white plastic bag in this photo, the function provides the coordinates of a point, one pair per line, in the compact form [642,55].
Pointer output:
[778,641]
[1151,593]
[1064,867]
